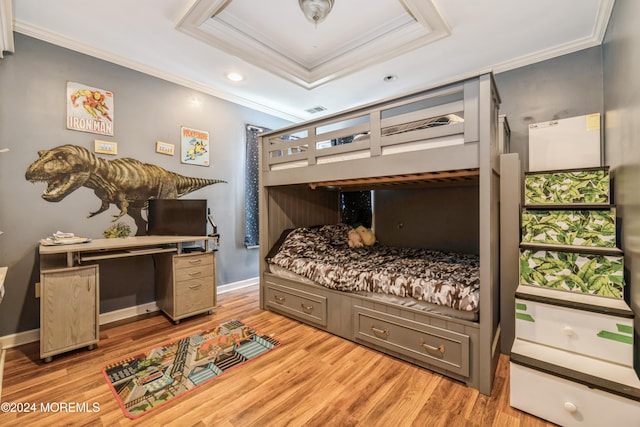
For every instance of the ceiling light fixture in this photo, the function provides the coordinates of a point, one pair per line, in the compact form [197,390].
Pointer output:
[316,10]
[235,77]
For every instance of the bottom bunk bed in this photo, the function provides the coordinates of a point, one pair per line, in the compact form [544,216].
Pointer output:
[431,187]
[415,304]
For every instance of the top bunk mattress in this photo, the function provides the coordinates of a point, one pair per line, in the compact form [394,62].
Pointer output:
[322,255]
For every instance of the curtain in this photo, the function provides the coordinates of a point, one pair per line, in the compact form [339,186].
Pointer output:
[251,236]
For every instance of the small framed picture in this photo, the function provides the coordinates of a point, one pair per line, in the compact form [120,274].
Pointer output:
[164,148]
[105,147]
[194,146]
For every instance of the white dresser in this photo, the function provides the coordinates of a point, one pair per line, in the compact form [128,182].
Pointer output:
[572,357]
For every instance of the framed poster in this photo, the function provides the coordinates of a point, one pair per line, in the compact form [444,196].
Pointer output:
[89,109]
[194,146]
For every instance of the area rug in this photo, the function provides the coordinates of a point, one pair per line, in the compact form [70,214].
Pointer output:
[144,381]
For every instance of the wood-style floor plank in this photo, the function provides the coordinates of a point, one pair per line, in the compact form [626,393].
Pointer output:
[312,379]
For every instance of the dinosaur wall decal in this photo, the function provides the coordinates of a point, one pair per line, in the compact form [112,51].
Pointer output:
[125,182]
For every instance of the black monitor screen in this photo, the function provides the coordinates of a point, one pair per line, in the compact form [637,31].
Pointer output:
[177,217]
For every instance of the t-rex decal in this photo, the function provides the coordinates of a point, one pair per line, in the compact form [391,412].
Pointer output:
[125,182]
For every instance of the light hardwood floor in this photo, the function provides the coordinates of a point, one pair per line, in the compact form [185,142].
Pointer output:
[313,379]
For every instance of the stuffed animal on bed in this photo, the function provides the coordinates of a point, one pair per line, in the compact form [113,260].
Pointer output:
[367,235]
[355,241]
[361,236]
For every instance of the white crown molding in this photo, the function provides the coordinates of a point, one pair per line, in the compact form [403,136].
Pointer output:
[6,27]
[595,39]
[602,20]
[62,41]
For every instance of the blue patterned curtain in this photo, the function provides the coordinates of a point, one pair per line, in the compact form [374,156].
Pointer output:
[251,236]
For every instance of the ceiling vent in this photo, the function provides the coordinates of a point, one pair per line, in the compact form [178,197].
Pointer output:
[316,109]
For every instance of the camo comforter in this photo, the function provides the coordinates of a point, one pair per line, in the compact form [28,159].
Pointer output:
[322,255]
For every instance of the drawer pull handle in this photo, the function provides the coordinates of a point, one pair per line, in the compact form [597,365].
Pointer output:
[307,308]
[279,299]
[570,407]
[195,261]
[195,273]
[431,348]
[199,285]
[380,332]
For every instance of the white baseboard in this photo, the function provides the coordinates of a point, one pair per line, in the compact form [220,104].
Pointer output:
[238,285]
[33,335]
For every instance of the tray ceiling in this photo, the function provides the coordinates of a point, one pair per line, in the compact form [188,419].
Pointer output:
[309,55]
[297,71]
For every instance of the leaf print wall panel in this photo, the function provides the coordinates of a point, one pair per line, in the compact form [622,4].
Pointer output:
[589,228]
[590,186]
[568,271]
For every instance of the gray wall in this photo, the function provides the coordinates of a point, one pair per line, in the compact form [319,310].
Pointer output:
[621,53]
[567,86]
[147,109]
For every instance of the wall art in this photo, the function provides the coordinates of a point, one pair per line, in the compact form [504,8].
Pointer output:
[89,109]
[194,146]
[124,182]
[105,147]
[164,148]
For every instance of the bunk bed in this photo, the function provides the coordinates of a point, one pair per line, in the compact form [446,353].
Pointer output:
[436,148]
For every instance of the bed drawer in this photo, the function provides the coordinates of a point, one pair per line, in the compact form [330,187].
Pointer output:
[592,334]
[435,346]
[567,403]
[304,305]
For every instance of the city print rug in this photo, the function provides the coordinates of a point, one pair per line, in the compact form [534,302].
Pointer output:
[152,378]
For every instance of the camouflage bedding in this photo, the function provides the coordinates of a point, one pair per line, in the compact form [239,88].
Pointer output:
[322,255]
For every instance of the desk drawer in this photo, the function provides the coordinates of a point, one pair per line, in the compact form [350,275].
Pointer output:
[196,272]
[193,295]
[304,305]
[436,346]
[187,261]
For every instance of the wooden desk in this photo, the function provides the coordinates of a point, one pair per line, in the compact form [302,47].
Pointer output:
[69,285]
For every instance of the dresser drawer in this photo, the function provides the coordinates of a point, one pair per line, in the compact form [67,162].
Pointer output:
[193,295]
[435,346]
[568,403]
[589,186]
[588,273]
[187,261]
[586,228]
[592,334]
[304,305]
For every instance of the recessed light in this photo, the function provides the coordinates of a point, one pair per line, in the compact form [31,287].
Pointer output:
[389,78]
[235,77]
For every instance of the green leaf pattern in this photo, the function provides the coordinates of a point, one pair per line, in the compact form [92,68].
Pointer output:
[590,187]
[592,274]
[570,227]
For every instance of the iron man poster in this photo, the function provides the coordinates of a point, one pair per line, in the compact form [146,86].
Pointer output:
[89,109]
